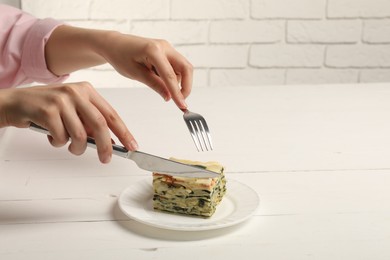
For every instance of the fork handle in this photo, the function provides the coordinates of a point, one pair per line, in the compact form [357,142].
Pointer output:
[116,149]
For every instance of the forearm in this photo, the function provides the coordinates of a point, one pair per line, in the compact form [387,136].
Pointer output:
[70,49]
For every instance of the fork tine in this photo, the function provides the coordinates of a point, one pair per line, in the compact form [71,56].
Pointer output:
[206,134]
[193,135]
[198,132]
[202,134]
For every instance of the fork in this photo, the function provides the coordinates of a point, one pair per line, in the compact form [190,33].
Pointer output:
[199,130]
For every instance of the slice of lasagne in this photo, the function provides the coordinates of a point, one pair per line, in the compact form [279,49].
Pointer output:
[190,196]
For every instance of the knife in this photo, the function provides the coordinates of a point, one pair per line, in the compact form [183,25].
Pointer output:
[149,162]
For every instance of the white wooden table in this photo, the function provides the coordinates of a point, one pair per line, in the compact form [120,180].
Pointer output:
[318,156]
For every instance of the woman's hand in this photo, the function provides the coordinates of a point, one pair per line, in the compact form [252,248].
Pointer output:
[72,110]
[154,62]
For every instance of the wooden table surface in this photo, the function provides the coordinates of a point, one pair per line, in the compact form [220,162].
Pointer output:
[318,156]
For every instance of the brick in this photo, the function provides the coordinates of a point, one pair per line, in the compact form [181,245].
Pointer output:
[216,56]
[326,31]
[282,56]
[321,76]
[246,77]
[210,9]
[299,9]
[358,56]
[358,8]
[130,9]
[375,75]
[176,32]
[376,31]
[62,10]
[247,31]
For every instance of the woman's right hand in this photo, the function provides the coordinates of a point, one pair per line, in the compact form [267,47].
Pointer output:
[68,110]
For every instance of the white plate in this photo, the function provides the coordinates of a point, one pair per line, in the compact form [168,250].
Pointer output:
[239,203]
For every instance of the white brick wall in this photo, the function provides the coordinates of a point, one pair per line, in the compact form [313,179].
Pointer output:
[358,56]
[209,9]
[324,31]
[246,42]
[286,56]
[288,9]
[358,8]
[377,31]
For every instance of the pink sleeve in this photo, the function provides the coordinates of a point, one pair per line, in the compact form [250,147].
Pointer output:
[22,48]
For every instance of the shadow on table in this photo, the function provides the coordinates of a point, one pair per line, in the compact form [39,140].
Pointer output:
[164,234]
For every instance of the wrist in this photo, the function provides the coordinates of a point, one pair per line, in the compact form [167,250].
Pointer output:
[5,104]
[102,43]
[71,48]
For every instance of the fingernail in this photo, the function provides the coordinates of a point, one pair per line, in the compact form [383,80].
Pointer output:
[183,104]
[134,145]
[107,159]
[167,96]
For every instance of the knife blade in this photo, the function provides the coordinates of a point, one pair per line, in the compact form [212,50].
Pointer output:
[149,162]
[158,164]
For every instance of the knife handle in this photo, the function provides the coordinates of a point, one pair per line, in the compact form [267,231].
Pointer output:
[116,149]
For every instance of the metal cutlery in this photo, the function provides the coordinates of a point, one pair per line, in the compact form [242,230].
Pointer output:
[149,162]
[199,130]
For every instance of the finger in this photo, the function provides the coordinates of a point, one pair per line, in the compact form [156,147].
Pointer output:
[178,76]
[76,131]
[160,87]
[168,75]
[184,69]
[151,78]
[58,136]
[114,122]
[56,142]
[92,117]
